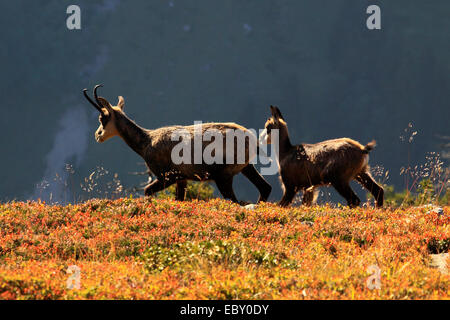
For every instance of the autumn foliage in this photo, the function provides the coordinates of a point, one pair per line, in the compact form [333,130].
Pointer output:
[164,249]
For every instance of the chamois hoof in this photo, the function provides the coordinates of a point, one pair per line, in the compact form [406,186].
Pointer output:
[243,203]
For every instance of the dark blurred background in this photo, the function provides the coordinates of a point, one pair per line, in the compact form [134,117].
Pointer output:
[179,61]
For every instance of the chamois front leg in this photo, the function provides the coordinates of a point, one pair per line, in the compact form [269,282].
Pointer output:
[181,190]
[309,196]
[288,196]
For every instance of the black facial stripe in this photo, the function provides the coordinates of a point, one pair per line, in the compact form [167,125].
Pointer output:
[104,120]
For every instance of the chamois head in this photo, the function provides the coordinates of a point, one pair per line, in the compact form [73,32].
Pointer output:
[107,117]
[276,121]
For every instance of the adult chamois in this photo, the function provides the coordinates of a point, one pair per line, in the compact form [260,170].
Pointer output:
[155,147]
[304,167]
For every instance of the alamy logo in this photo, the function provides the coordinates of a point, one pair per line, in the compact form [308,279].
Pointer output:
[374,20]
[204,145]
[374,281]
[73,21]
[74,281]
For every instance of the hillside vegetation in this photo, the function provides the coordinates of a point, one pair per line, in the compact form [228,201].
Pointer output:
[164,249]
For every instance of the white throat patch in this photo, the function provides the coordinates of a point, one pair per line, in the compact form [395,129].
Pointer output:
[263,137]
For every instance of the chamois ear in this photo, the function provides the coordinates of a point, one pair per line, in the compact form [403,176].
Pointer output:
[276,113]
[272,110]
[121,103]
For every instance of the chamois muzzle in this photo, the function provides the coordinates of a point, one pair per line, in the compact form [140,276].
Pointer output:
[99,137]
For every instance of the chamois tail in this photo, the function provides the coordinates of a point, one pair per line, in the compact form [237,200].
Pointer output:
[369,147]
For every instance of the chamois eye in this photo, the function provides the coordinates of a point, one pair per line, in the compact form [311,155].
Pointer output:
[104,120]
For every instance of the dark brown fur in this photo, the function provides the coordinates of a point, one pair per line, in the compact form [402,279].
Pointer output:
[155,147]
[333,162]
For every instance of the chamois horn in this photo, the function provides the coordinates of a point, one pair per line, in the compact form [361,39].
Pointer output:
[96,96]
[92,102]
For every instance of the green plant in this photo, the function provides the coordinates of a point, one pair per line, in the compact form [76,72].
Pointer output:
[190,254]
[425,193]
[194,190]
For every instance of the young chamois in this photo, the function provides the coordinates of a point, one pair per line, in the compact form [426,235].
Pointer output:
[155,147]
[335,162]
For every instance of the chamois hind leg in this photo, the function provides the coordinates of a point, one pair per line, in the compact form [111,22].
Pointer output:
[309,196]
[288,196]
[367,181]
[181,190]
[344,190]
[263,186]
[225,186]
